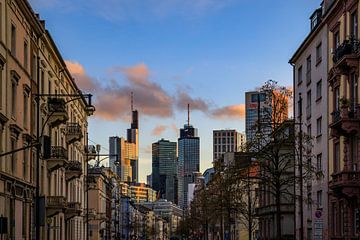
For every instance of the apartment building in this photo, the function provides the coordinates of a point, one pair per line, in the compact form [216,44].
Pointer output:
[343,108]
[100,203]
[31,65]
[310,63]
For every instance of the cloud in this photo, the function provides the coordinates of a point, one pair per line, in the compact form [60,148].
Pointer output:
[183,99]
[159,130]
[234,112]
[113,100]
[84,82]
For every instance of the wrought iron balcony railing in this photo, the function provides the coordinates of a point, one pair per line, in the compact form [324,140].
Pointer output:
[56,105]
[349,46]
[58,152]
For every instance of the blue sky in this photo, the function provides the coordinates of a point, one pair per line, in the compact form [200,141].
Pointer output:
[170,52]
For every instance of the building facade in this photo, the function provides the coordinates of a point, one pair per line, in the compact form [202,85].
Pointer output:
[310,63]
[188,160]
[226,141]
[343,118]
[32,66]
[164,171]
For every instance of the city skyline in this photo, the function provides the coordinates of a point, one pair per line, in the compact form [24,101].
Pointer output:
[176,77]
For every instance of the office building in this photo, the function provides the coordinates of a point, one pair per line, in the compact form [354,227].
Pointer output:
[164,171]
[257,104]
[188,160]
[226,141]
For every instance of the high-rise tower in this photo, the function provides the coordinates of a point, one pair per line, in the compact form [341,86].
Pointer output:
[164,172]
[189,159]
[127,150]
[133,137]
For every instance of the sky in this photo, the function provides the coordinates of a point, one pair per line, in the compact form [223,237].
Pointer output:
[207,53]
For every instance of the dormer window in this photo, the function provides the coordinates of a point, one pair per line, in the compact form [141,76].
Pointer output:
[315,18]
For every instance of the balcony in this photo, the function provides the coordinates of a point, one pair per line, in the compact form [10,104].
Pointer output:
[73,132]
[58,158]
[73,210]
[90,150]
[73,169]
[57,112]
[345,121]
[55,205]
[346,182]
[348,49]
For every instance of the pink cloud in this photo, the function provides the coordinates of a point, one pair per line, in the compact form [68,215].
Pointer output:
[159,130]
[234,112]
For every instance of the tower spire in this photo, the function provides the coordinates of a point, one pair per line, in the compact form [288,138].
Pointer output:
[188,120]
[132,101]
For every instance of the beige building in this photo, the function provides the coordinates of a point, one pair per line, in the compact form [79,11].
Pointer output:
[140,192]
[28,55]
[100,194]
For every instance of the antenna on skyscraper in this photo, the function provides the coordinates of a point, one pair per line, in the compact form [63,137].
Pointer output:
[132,101]
[188,114]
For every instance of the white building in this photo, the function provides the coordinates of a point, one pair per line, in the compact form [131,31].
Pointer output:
[310,80]
[226,141]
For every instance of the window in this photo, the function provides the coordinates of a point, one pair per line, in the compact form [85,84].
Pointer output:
[300,77]
[26,54]
[13,39]
[308,104]
[354,24]
[354,151]
[308,70]
[318,53]
[49,86]
[309,201]
[33,66]
[318,89]
[42,81]
[25,113]
[354,91]
[336,157]
[25,162]
[318,126]
[337,99]
[309,130]
[319,199]
[336,36]
[13,98]
[13,156]
[319,162]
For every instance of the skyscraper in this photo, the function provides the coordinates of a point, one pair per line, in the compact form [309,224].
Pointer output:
[127,151]
[189,159]
[252,111]
[164,170]
[269,108]
[133,137]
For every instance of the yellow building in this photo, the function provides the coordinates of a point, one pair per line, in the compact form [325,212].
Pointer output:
[140,192]
[31,64]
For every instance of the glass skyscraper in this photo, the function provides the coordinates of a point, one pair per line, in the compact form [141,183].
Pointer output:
[164,171]
[188,162]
